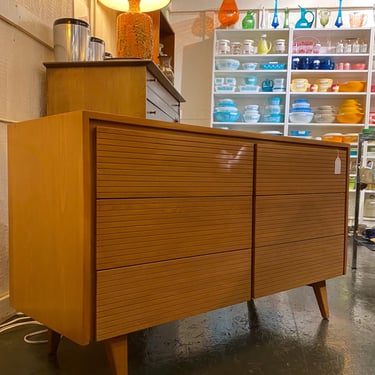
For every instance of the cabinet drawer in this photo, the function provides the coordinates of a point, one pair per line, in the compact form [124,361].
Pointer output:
[291,265]
[286,218]
[138,162]
[135,231]
[155,113]
[161,98]
[133,298]
[283,169]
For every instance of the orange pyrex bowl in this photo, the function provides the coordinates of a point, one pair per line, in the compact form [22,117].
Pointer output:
[352,86]
[349,117]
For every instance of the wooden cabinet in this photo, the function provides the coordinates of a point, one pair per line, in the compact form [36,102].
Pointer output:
[297,187]
[164,34]
[124,87]
[128,223]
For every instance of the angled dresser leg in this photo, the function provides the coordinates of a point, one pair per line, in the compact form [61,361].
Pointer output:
[54,339]
[320,291]
[117,353]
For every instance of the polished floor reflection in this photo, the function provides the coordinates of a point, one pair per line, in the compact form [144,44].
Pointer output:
[279,334]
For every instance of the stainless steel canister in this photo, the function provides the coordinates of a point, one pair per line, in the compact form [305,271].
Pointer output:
[70,39]
[96,49]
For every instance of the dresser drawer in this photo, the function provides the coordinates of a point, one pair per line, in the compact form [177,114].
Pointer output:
[135,231]
[282,169]
[161,98]
[289,218]
[155,113]
[135,162]
[129,299]
[286,266]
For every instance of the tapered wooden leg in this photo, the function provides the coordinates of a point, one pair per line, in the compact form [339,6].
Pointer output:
[320,291]
[117,353]
[53,341]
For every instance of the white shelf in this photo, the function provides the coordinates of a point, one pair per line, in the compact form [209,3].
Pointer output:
[287,97]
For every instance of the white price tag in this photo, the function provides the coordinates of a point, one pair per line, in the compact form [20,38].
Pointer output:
[338,165]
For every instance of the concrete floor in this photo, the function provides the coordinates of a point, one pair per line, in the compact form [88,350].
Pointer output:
[279,334]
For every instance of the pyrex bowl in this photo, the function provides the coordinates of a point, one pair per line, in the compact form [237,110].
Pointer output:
[301,117]
[249,66]
[352,86]
[227,116]
[300,133]
[249,88]
[251,117]
[300,109]
[324,117]
[349,118]
[227,64]
[226,103]
[225,88]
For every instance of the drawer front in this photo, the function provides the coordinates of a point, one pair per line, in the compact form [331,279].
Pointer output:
[286,266]
[155,113]
[134,298]
[136,231]
[289,218]
[135,162]
[161,98]
[283,169]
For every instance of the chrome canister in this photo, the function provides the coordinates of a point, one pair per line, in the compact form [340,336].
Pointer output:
[96,49]
[70,39]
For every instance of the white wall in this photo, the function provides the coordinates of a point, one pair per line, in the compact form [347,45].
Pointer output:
[25,43]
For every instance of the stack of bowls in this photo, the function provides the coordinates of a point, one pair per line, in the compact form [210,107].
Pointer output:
[273,111]
[251,113]
[350,112]
[226,111]
[250,84]
[325,113]
[301,111]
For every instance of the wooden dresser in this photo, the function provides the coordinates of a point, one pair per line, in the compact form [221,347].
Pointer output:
[118,224]
[118,86]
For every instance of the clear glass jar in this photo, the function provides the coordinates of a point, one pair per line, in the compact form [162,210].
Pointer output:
[235,48]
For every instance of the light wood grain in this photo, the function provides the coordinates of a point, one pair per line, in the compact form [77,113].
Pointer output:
[290,265]
[70,89]
[297,217]
[291,169]
[134,231]
[170,164]
[51,218]
[133,298]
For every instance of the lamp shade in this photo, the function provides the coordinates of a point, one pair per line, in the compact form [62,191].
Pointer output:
[145,5]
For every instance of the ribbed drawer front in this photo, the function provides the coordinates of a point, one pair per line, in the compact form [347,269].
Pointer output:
[288,218]
[155,163]
[283,169]
[133,298]
[135,231]
[286,266]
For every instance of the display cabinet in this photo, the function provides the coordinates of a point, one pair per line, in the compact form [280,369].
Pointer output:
[326,72]
[321,58]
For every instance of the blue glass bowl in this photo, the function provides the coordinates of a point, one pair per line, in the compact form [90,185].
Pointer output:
[227,116]
[227,64]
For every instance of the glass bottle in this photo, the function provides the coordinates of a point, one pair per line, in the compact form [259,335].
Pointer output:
[286,18]
[166,67]
[228,13]
[248,21]
[165,63]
